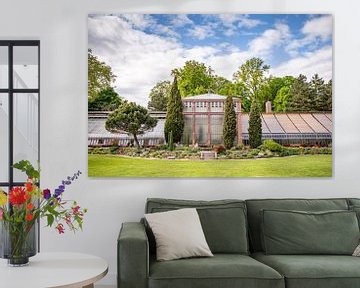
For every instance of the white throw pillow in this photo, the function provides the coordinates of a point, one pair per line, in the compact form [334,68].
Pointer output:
[178,234]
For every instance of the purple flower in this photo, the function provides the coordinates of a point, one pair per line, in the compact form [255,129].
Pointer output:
[46,194]
[68,181]
[57,193]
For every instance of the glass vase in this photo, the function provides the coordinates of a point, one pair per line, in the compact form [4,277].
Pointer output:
[18,242]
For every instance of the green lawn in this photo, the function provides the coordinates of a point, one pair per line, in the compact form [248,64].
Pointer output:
[294,166]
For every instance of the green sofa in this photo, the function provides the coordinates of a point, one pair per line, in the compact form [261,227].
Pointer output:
[234,232]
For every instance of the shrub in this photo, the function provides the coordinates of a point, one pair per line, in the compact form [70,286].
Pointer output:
[272,146]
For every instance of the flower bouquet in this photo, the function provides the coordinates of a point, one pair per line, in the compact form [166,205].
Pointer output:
[21,208]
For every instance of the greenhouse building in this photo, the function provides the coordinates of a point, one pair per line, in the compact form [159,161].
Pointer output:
[204,116]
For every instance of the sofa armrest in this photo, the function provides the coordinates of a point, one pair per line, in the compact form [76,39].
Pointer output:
[133,256]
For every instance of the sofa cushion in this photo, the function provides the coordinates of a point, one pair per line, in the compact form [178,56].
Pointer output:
[254,206]
[356,209]
[313,271]
[178,234]
[297,232]
[222,270]
[223,221]
[353,201]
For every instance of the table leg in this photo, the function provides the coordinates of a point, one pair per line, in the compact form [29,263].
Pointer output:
[89,286]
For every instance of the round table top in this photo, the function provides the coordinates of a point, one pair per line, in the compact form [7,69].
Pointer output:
[66,269]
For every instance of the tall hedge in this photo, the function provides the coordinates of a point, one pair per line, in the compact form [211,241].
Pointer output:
[174,117]
[255,131]
[229,130]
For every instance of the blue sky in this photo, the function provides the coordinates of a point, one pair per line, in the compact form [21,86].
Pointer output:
[142,49]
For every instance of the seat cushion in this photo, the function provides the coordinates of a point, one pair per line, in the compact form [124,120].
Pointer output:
[222,270]
[223,221]
[254,217]
[315,271]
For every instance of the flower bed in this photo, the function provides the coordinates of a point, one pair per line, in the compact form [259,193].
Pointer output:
[266,150]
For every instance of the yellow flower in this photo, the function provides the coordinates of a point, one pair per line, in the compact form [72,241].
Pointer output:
[3,198]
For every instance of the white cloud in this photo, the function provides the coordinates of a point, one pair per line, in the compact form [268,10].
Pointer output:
[319,62]
[232,22]
[181,20]
[140,21]
[318,27]
[144,21]
[201,32]
[315,30]
[269,39]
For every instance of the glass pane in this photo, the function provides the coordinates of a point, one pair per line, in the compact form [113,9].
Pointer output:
[26,67]
[4,67]
[4,137]
[26,131]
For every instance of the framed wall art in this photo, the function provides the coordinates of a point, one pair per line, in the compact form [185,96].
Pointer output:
[210,95]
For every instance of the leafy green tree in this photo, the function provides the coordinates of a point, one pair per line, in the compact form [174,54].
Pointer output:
[174,117]
[131,118]
[302,100]
[229,130]
[255,128]
[159,96]
[100,75]
[236,90]
[283,97]
[251,75]
[194,78]
[105,100]
[219,85]
[272,87]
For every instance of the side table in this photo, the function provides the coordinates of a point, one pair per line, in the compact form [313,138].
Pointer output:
[50,270]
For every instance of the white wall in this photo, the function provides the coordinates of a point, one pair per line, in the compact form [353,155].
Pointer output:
[61,25]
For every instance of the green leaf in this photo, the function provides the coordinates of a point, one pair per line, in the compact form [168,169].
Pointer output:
[50,219]
[26,167]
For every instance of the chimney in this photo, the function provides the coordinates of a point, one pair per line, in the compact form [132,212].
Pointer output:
[268,107]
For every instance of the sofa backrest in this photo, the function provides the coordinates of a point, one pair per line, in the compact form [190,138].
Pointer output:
[223,221]
[256,205]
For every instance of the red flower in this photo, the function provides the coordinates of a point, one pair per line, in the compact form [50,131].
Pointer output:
[27,196]
[29,206]
[17,196]
[29,186]
[75,209]
[29,217]
[60,228]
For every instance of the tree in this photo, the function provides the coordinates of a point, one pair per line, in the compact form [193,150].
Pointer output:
[252,75]
[220,85]
[283,97]
[131,118]
[272,87]
[302,100]
[229,130]
[328,91]
[174,117]
[318,92]
[100,75]
[255,129]
[105,100]
[159,95]
[194,78]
